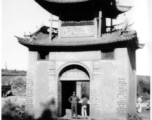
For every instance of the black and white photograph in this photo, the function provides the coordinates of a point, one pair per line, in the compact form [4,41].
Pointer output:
[76,59]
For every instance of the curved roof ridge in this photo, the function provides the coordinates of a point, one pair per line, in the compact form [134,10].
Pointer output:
[41,29]
[129,32]
[43,39]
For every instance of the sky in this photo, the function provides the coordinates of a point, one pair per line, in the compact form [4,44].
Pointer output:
[21,17]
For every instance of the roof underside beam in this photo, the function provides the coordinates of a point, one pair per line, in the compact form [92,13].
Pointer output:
[58,7]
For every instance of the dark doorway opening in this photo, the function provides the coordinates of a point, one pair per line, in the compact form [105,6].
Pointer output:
[73,78]
[67,89]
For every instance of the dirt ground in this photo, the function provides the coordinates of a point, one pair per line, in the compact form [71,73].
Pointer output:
[18,100]
[145,114]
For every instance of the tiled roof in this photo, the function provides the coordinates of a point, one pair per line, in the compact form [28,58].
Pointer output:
[42,39]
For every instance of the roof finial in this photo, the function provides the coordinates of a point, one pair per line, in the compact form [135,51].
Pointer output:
[24,33]
[6,65]
[42,24]
[50,34]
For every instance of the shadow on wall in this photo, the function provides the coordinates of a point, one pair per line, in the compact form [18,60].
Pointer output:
[49,112]
[132,58]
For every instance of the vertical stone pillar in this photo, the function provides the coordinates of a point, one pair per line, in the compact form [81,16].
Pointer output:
[45,89]
[121,56]
[31,78]
[95,91]
[126,101]
[53,88]
[59,98]
[103,90]
[132,82]
[78,89]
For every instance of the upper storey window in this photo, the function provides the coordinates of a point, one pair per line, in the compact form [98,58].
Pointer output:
[108,54]
[43,55]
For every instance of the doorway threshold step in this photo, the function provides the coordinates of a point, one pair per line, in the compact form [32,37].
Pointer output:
[69,118]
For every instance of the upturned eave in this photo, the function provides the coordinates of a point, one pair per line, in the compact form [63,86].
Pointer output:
[107,39]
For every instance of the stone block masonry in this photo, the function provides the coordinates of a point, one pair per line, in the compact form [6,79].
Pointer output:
[110,83]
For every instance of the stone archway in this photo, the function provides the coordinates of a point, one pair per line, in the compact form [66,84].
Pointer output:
[71,78]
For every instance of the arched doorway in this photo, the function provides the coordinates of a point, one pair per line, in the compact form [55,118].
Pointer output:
[73,78]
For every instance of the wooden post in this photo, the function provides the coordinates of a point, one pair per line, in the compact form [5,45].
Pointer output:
[111,26]
[100,23]
[59,29]
[95,28]
[50,35]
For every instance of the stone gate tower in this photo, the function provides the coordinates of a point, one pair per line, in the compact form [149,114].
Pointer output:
[83,49]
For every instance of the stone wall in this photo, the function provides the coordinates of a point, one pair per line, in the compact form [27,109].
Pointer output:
[126,71]
[42,87]
[75,56]
[132,82]
[121,56]
[31,79]
[45,89]
[103,90]
[113,86]
[112,82]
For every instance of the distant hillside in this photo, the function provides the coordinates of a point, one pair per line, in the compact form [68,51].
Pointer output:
[13,72]
[7,75]
[145,78]
[143,86]
[143,82]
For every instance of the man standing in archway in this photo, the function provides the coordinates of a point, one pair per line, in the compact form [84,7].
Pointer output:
[74,100]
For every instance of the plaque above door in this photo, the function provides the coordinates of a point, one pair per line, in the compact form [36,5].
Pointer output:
[74,74]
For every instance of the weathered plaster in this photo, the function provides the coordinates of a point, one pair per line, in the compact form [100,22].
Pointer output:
[112,82]
[75,56]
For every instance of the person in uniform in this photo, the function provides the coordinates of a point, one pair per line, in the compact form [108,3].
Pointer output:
[74,100]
